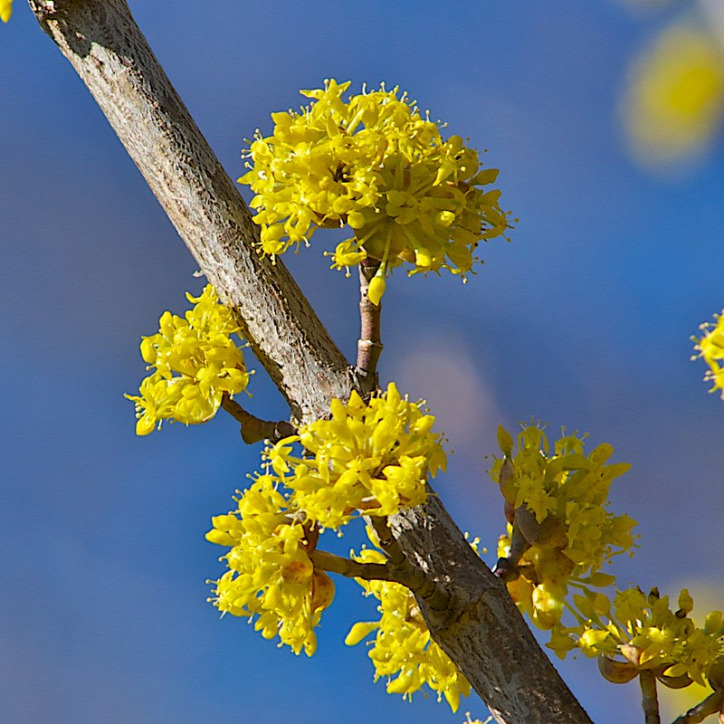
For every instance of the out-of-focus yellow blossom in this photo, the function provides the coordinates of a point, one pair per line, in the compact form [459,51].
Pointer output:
[711,348]
[560,507]
[373,163]
[270,574]
[403,647]
[6,10]
[675,99]
[195,363]
[647,634]
[372,457]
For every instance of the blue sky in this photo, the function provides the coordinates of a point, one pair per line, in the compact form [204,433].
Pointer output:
[583,320]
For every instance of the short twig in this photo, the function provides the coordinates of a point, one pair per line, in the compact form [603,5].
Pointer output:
[369,346]
[352,569]
[711,705]
[252,428]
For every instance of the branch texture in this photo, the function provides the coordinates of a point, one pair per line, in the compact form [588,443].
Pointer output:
[475,620]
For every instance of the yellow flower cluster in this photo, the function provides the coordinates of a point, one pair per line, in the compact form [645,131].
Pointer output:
[270,573]
[711,348]
[372,162]
[372,457]
[675,99]
[403,647]
[646,634]
[6,10]
[195,363]
[558,504]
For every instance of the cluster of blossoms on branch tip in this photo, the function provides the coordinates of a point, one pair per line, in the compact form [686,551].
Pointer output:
[369,457]
[270,573]
[710,347]
[632,632]
[558,521]
[372,163]
[195,364]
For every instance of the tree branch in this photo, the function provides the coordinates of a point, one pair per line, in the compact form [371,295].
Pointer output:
[479,627]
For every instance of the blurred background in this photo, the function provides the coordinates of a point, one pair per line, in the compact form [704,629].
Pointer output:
[605,120]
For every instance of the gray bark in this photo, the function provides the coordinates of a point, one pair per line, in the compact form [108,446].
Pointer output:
[470,613]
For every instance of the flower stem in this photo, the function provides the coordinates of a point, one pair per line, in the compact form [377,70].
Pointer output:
[369,346]
[252,428]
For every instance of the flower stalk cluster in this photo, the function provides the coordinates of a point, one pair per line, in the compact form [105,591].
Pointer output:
[559,527]
[194,362]
[373,163]
[370,458]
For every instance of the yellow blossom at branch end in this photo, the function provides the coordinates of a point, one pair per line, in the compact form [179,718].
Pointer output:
[194,362]
[374,163]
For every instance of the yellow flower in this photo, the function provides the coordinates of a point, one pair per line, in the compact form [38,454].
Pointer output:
[6,10]
[402,647]
[270,576]
[195,363]
[646,632]
[373,457]
[560,500]
[675,98]
[374,163]
[711,349]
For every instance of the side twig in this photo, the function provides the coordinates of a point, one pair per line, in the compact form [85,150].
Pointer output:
[252,428]
[711,705]
[352,569]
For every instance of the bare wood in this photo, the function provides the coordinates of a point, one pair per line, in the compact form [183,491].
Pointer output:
[477,623]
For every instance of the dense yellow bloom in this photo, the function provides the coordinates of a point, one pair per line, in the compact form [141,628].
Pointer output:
[195,363]
[6,10]
[403,647]
[675,98]
[270,575]
[560,502]
[711,348]
[645,632]
[372,163]
[373,457]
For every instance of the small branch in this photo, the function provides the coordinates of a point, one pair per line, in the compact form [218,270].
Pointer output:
[352,569]
[650,699]
[252,428]
[369,346]
[711,705]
